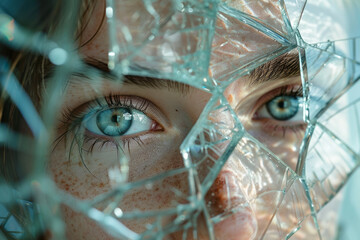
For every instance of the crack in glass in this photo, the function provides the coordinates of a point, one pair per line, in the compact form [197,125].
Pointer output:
[179,119]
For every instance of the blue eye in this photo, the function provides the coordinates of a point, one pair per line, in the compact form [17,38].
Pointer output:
[118,121]
[282,108]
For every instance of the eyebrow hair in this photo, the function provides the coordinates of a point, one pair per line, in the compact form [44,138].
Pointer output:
[140,81]
[284,66]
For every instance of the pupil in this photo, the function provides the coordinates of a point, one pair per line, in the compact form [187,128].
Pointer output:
[115,118]
[281,104]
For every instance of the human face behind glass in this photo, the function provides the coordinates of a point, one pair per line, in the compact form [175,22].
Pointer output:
[267,101]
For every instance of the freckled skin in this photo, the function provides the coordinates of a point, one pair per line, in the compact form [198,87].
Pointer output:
[158,152]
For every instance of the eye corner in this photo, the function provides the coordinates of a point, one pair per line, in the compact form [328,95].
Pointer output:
[156,127]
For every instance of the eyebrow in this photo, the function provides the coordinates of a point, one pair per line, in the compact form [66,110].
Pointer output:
[284,66]
[140,81]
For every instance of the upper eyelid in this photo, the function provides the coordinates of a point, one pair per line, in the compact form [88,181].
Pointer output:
[281,91]
[255,100]
[76,115]
[123,101]
[103,102]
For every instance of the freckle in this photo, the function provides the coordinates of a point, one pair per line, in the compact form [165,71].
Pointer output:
[176,110]
[210,73]
[230,98]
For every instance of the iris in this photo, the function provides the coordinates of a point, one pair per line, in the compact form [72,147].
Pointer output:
[114,121]
[283,107]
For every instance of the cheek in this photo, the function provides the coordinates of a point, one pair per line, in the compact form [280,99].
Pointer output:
[79,227]
[87,176]
[284,143]
[154,156]
[160,197]
[71,175]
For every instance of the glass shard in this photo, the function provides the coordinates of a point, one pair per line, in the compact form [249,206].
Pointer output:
[179,119]
[170,39]
[294,10]
[238,48]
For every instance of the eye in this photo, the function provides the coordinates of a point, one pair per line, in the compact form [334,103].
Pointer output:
[118,121]
[282,108]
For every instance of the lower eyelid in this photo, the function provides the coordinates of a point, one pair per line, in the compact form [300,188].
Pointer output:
[277,122]
[277,128]
[93,142]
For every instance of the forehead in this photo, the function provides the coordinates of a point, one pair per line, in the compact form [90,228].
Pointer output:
[175,38]
[168,36]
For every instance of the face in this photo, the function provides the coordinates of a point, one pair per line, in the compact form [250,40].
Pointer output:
[194,160]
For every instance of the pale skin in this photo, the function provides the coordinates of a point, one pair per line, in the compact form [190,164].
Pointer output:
[172,114]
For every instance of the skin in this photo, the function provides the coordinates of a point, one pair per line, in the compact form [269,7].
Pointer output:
[175,114]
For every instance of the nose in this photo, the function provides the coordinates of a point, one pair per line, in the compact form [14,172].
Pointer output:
[225,194]
[229,208]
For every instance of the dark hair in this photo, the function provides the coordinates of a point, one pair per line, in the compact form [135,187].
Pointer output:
[31,70]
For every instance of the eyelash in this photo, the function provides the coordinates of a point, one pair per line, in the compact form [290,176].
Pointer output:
[289,90]
[73,120]
[274,125]
[109,101]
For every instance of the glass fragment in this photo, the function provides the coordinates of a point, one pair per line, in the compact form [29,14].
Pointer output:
[179,119]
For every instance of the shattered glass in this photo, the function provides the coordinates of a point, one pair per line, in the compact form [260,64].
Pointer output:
[179,119]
